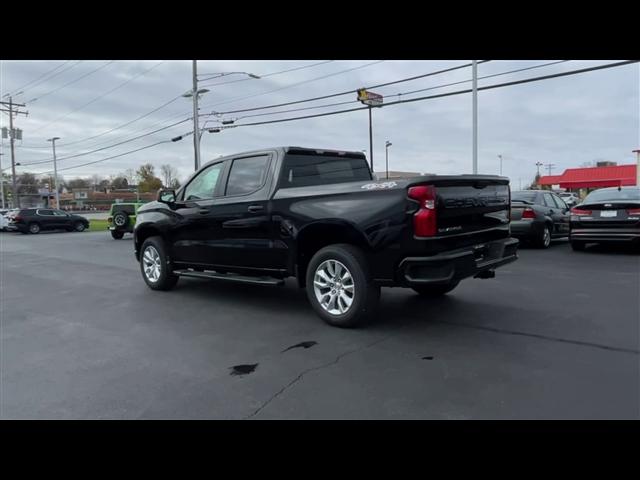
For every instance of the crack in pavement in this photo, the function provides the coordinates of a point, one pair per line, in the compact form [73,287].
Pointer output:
[320,367]
[543,337]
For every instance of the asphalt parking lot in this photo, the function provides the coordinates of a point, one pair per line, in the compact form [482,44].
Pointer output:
[554,335]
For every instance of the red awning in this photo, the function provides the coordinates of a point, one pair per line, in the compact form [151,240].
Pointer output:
[593,177]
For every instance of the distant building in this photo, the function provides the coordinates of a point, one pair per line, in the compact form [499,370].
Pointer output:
[587,178]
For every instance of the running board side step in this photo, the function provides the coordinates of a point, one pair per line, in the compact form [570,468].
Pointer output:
[230,277]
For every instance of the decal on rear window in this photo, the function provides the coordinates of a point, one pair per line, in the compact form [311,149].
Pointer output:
[379,186]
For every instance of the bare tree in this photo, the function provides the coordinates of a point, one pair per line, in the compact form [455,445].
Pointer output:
[131,176]
[169,174]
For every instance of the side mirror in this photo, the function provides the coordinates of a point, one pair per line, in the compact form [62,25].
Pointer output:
[166,195]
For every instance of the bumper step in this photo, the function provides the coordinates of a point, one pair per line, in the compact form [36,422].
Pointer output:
[230,277]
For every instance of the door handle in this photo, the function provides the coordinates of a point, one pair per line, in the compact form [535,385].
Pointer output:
[203,211]
[255,208]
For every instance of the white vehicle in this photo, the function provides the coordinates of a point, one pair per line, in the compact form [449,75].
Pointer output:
[570,198]
[4,222]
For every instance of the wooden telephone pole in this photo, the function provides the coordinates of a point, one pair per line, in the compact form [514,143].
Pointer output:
[13,109]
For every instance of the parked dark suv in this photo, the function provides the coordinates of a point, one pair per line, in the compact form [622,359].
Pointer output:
[32,220]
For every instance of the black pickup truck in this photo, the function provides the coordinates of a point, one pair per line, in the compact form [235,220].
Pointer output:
[320,216]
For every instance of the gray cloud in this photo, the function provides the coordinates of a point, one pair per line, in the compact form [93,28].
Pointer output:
[565,121]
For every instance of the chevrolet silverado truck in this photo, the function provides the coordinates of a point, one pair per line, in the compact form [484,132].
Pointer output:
[319,216]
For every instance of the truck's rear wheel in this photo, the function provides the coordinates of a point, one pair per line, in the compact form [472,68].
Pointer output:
[154,265]
[339,286]
[435,290]
[117,234]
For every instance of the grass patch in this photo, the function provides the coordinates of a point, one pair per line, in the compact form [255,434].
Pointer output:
[97,226]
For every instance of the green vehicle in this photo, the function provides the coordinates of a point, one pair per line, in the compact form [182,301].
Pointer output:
[122,218]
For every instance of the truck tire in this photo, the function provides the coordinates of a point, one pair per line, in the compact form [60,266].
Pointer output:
[117,234]
[154,265]
[434,290]
[340,288]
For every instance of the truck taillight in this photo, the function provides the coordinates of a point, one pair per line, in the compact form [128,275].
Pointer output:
[580,212]
[633,211]
[424,220]
[528,213]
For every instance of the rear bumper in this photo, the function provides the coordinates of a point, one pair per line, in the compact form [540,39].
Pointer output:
[605,234]
[526,228]
[456,265]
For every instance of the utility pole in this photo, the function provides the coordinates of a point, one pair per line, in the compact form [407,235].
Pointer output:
[539,164]
[12,135]
[550,166]
[475,116]
[55,169]
[196,129]
[1,181]
[500,157]
[637,152]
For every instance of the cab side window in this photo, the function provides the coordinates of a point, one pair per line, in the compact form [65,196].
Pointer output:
[203,186]
[247,175]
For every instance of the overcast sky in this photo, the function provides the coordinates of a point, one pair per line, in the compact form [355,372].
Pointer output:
[565,121]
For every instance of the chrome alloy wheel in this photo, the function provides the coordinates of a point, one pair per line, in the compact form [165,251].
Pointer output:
[333,287]
[151,264]
[546,239]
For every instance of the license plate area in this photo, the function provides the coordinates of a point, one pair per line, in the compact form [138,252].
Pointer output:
[608,213]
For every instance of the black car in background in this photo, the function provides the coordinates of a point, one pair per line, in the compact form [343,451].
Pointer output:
[606,215]
[538,216]
[33,220]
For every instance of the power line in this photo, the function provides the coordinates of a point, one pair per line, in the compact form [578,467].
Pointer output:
[40,97]
[441,95]
[104,94]
[122,125]
[289,86]
[393,95]
[109,158]
[349,92]
[270,74]
[43,75]
[109,146]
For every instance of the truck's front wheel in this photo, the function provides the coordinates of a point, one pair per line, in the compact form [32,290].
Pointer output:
[155,266]
[339,286]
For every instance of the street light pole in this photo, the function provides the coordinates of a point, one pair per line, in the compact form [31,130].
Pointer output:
[500,157]
[197,135]
[475,116]
[370,139]
[637,152]
[55,169]
[196,129]
[386,147]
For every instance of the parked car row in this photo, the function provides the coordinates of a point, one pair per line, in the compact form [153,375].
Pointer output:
[605,215]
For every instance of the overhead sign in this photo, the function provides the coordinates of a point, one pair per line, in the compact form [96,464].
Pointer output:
[370,98]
